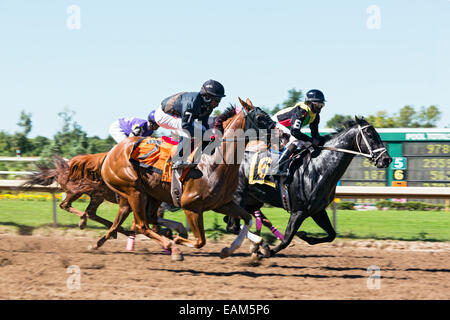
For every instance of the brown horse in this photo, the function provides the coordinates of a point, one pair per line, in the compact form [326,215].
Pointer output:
[81,175]
[210,186]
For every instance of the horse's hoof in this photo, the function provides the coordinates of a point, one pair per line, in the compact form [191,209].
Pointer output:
[177,257]
[82,224]
[255,257]
[265,251]
[301,234]
[253,247]
[225,253]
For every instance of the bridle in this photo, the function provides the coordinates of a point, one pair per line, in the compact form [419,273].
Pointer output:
[373,155]
[251,122]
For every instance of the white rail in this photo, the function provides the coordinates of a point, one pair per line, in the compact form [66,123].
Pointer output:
[341,192]
[393,192]
[17,185]
[20,159]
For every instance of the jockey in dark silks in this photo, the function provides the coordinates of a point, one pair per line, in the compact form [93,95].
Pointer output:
[179,112]
[291,120]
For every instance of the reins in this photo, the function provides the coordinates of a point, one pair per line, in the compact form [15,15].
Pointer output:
[369,155]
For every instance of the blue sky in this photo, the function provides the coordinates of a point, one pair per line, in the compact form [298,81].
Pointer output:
[130,55]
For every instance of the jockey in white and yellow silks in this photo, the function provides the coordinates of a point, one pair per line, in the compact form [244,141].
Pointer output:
[291,120]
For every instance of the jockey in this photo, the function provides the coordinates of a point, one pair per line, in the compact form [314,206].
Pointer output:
[180,111]
[133,127]
[291,120]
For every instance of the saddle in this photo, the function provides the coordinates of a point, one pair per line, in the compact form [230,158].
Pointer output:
[263,169]
[155,155]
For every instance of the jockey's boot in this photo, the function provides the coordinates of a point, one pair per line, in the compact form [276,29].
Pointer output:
[284,161]
[181,162]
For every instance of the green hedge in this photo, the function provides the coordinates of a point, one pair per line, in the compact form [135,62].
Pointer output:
[391,205]
[410,205]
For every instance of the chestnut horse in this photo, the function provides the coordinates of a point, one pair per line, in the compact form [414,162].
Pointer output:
[81,175]
[210,186]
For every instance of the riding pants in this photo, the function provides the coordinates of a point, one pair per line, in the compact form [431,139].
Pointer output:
[117,132]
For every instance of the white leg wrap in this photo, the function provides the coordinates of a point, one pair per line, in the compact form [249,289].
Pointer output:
[254,238]
[241,236]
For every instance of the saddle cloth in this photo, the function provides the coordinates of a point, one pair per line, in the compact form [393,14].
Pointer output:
[155,154]
[263,168]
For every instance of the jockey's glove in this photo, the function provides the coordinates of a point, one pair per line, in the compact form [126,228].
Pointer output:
[135,131]
[318,141]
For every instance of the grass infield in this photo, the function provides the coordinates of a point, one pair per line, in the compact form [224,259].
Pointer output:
[24,216]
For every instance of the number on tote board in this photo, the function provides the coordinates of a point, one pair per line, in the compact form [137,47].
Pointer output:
[436,163]
[438,148]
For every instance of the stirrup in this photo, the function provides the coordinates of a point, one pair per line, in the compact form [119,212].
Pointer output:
[182,165]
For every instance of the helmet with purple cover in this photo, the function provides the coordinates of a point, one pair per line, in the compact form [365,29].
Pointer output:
[151,117]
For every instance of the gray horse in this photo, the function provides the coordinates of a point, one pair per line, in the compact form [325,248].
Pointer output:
[314,179]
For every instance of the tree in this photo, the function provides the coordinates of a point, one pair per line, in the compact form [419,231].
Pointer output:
[5,144]
[294,97]
[25,122]
[337,121]
[428,117]
[275,109]
[406,117]
[39,143]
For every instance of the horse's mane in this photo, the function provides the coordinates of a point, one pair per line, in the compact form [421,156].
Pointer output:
[86,166]
[344,126]
[227,114]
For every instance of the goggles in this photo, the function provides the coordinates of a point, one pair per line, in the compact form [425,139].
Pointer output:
[208,98]
[319,105]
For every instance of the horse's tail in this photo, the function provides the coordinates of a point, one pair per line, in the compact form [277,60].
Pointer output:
[86,166]
[46,175]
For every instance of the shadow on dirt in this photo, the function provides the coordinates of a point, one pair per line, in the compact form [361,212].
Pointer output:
[265,274]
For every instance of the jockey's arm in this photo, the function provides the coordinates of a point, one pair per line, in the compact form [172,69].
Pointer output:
[297,123]
[188,117]
[317,139]
[205,123]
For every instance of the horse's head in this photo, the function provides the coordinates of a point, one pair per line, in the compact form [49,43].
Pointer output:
[256,118]
[252,120]
[368,141]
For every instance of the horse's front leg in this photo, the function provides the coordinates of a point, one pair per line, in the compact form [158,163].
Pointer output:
[235,211]
[174,225]
[195,220]
[295,221]
[91,213]
[122,214]
[261,219]
[322,221]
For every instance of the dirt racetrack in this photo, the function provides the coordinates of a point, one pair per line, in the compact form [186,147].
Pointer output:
[39,267]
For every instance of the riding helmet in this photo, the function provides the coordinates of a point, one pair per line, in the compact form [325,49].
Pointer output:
[315,95]
[151,116]
[214,88]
